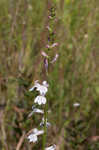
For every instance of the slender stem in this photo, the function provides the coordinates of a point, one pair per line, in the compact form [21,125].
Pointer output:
[45,126]
[51,24]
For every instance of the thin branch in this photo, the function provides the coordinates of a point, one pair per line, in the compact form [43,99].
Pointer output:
[20,141]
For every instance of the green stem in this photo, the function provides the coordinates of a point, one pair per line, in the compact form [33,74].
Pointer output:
[45,127]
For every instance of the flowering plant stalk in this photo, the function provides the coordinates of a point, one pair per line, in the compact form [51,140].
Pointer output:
[47,60]
[43,87]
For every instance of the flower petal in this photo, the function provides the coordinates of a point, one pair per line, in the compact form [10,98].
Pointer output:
[40,100]
[32,138]
[51,147]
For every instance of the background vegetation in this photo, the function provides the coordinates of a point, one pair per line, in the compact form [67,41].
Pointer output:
[73,78]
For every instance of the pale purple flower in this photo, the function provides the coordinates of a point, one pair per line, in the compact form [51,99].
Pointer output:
[45,83]
[40,111]
[53,147]
[36,84]
[49,17]
[47,46]
[44,54]
[51,46]
[37,132]
[40,100]
[39,87]
[54,44]
[36,110]
[33,136]
[42,89]
[46,64]
[76,104]
[49,29]
[55,58]
[55,19]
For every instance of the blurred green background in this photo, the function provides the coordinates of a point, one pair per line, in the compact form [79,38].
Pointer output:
[73,78]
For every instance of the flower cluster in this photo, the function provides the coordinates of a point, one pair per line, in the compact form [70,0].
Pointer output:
[33,137]
[43,87]
[40,100]
[50,57]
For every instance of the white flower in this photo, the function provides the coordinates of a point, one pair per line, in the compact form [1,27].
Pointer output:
[45,83]
[42,88]
[36,110]
[40,100]
[47,123]
[55,58]
[51,147]
[54,44]
[35,85]
[37,132]
[51,46]
[33,136]
[76,104]
[44,54]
